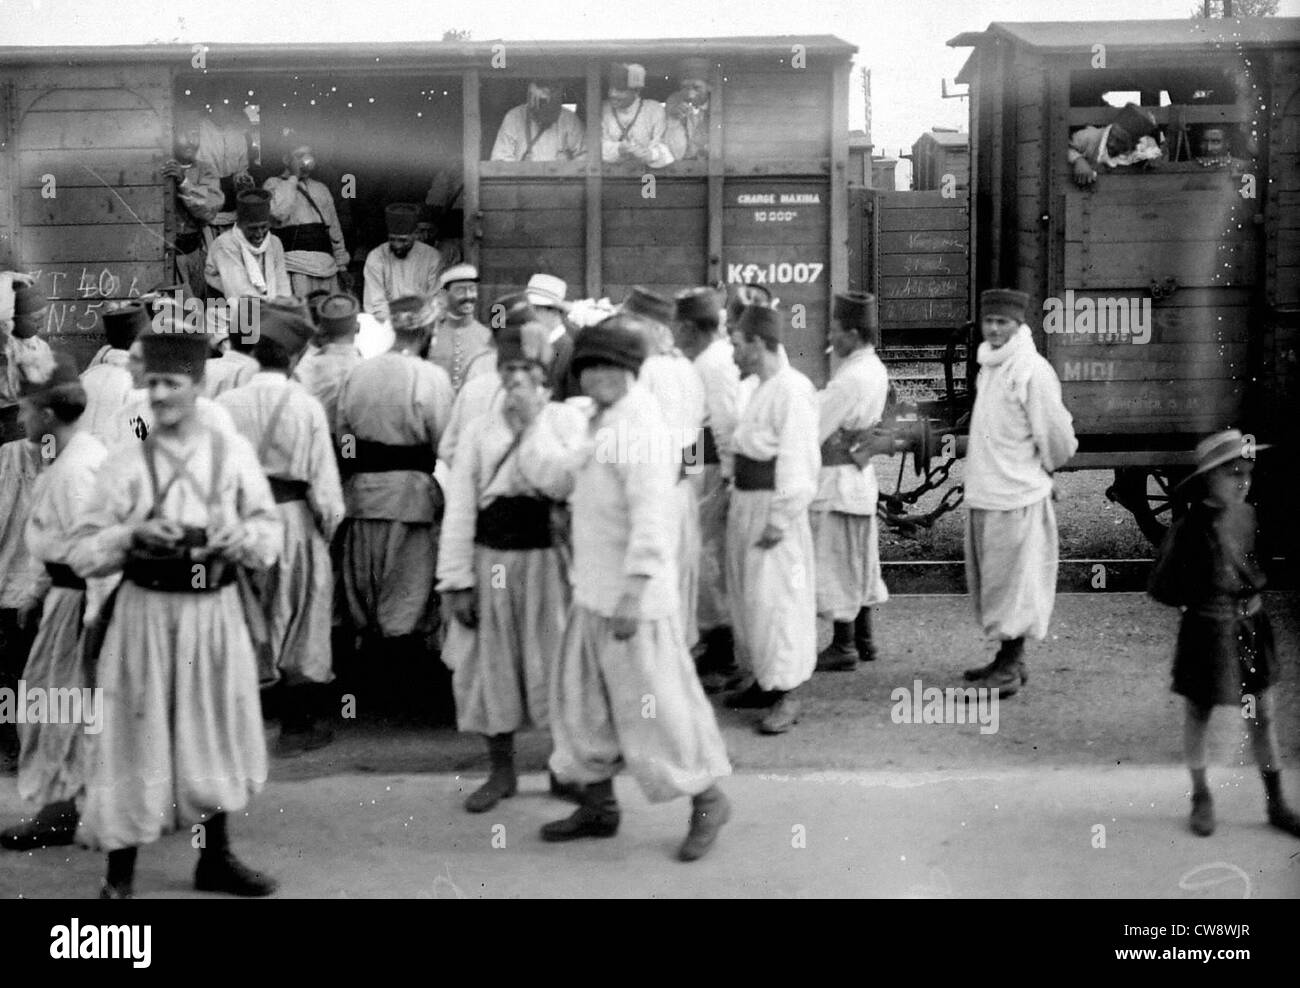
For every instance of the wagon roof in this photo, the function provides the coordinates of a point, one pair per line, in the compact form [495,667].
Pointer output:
[1182,33]
[428,53]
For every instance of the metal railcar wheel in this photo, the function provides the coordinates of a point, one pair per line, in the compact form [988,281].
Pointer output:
[1147,492]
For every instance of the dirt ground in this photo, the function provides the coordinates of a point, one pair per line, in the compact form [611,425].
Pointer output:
[1098,695]
[1091,526]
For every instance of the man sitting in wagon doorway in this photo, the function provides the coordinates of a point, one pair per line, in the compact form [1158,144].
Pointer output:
[541,129]
[632,128]
[1130,138]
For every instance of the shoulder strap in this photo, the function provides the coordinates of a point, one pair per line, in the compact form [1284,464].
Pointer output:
[264,443]
[150,459]
[303,192]
[528,126]
[626,130]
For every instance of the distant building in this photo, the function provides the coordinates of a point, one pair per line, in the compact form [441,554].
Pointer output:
[938,152]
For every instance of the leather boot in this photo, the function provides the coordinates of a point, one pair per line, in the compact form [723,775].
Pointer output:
[862,637]
[1006,672]
[1279,814]
[299,729]
[709,811]
[501,782]
[839,655]
[1202,820]
[53,826]
[598,816]
[120,881]
[220,871]
[753,698]
[783,715]
[571,791]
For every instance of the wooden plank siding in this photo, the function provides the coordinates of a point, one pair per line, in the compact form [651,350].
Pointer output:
[922,272]
[92,208]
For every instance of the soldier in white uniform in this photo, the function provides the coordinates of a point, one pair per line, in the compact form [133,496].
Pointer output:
[845,536]
[403,265]
[624,641]
[632,128]
[771,572]
[698,318]
[541,129]
[288,429]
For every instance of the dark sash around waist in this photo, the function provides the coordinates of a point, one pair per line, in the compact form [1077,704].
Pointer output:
[306,236]
[708,448]
[372,457]
[835,450]
[188,243]
[179,575]
[515,523]
[834,453]
[228,192]
[63,575]
[175,571]
[755,475]
[285,490]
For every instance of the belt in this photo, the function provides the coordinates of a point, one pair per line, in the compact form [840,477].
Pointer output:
[63,575]
[755,475]
[284,490]
[372,457]
[1230,608]
[515,523]
[306,236]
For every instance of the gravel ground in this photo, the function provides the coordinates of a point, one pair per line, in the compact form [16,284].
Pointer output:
[1091,527]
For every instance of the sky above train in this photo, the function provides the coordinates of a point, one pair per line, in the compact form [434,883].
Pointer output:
[901,41]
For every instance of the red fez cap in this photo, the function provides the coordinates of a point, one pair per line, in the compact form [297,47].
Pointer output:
[761,322]
[253,206]
[1004,302]
[645,303]
[612,342]
[401,218]
[123,324]
[174,352]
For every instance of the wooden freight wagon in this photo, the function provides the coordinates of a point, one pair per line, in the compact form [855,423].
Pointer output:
[84,133]
[1164,296]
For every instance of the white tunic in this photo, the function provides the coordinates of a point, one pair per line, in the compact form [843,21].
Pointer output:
[564,140]
[624,517]
[720,378]
[389,277]
[644,122]
[1020,431]
[773,590]
[109,388]
[780,421]
[853,399]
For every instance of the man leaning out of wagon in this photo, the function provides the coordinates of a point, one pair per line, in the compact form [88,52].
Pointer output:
[1020,432]
[1128,139]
